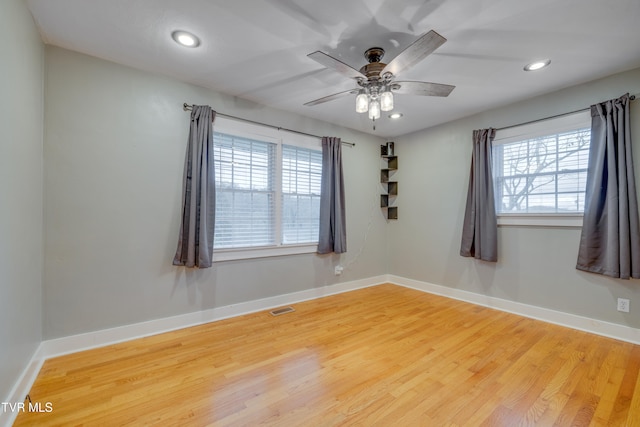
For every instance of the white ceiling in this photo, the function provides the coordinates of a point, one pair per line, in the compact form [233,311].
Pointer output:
[257,49]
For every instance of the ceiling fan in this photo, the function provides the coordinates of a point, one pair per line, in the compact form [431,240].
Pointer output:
[376,80]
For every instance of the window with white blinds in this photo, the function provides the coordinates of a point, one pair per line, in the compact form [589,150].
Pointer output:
[267,189]
[301,175]
[245,192]
[541,169]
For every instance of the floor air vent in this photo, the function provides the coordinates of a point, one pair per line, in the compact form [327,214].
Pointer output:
[279,311]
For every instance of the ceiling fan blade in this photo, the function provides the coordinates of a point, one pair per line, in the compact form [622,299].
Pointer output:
[331,97]
[336,65]
[415,52]
[421,88]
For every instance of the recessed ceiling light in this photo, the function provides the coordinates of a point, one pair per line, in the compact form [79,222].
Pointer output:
[395,115]
[537,65]
[185,39]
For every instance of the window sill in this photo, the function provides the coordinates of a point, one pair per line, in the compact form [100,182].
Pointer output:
[540,220]
[264,252]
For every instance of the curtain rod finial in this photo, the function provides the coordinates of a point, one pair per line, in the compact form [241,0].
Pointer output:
[185,106]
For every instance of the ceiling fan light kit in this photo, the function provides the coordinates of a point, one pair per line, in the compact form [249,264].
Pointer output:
[376,80]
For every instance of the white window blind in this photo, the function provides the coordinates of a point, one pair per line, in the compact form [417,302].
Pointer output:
[542,169]
[245,192]
[301,178]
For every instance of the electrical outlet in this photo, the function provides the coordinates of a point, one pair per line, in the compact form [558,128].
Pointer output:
[338,270]
[623,305]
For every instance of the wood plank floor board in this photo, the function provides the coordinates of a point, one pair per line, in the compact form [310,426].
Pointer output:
[380,356]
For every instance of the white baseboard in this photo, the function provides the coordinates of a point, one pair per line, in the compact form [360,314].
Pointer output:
[598,327]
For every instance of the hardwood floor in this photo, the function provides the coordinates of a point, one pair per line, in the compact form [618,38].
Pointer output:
[385,355]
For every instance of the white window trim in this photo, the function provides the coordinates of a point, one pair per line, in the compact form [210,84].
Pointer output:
[263,252]
[540,220]
[280,137]
[551,126]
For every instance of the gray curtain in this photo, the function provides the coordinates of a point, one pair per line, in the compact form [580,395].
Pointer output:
[333,234]
[610,240]
[195,242]
[480,228]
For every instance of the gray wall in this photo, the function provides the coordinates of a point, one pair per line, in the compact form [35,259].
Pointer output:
[114,150]
[21,249]
[536,265]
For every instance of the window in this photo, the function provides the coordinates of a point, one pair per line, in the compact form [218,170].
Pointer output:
[245,192]
[301,178]
[540,171]
[267,191]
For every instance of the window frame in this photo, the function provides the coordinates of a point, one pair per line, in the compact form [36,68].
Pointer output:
[564,123]
[280,138]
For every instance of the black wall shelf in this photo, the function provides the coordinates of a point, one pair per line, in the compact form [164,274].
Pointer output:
[389,184]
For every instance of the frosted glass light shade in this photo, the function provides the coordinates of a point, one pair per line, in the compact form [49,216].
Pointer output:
[362,103]
[374,109]
[386,101]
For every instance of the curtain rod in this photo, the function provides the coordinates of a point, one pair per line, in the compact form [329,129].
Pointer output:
[187,107]
[632,97]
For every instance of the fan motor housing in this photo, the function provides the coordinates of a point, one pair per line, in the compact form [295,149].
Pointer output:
[372,70]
